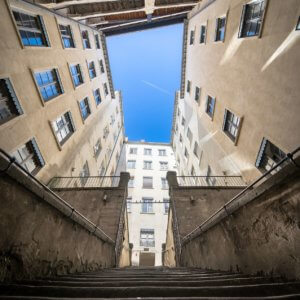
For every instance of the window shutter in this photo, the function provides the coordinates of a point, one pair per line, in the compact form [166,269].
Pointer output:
[13,96]
[37,152]
[71,120]
[242,21]
[216,30]
[59,81]
[224,121]
[81,72]
[261,152]
[44,30]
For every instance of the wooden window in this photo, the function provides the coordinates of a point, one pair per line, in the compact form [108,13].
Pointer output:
[84,108]
[49,84]
[76,74]
[220,29]
[66,36]
[192,37]
[92,70]
[252,17]
[210,106]
[29,157]
[9,103]
[202,34]
[32,30]
[85,39]
[63,127]
[97,96]
[97,42]
[147,182]
[231,125]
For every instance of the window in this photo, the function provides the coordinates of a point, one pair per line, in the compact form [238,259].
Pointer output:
[76,74]
[189,135]
[192,37]
[133,151]
[166,206]
[147,151]
[9,104]
[105,132]
[147,205]
[164,183]
[252,18]
[131,164]
[196,150]
[66,36]
[63,127]
[131,182]
[231,125]
[211,181]
[97,148]
[183,121]
[178,112]
[29,157]
[84,173]
[163,165]
[188,86]
[85,39]
[220,29]
[97,42]
[210,106]
[32,30]
[85,108]
[105,89]
[49,84]
[268,156]
[197,94]
[147,165]
[180,140]
[147,238]
[162,152]
[97,96]
[176,128]
[129,204]
[202,34]
[147,182]
[101,66]
[298,24]
[112,119]
[186,155]
[92,70]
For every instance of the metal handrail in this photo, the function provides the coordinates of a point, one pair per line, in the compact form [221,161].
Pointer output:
[198,230]
[70,182]
[60,200]
[213,181]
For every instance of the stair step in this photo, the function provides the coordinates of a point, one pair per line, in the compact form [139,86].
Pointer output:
[257,290]
[126,283]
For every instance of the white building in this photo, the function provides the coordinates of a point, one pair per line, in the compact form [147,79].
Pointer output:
[148,198]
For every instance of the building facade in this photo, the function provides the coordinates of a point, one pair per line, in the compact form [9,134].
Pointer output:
[59,113]
[237,111]
[148,198]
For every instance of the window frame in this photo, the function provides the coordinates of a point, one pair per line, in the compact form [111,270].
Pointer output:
[205,34]
[131,161]
[197,94]
[226,122]
[146,151]
[188,86]
[163,165]
[97,41]
[129,205]
[13,101]
[70,133]
[192,37]
[87,105]
[131,182]
[166,202]
[99,94]
[134,152]
[208,99]
[164,183]
[147,165]
[88,39]
[81,74]
[101,66]
[242,20]
[89,70]
[144,186]
[41,22]
[34,154]
[61,36]
[217,37]
[146,201]
[149,242]
[39,71]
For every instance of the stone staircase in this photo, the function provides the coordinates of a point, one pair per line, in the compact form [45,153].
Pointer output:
[153,283]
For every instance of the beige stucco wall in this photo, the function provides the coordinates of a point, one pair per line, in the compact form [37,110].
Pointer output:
[18,62]
[169,254]
[255,78]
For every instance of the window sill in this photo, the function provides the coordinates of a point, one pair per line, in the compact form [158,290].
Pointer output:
[147,213]
[149,188]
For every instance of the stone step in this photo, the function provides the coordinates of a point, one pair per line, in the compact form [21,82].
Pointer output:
[132,283]
[254,290]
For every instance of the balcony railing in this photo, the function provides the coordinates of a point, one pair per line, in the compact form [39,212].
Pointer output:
[230,181]
[84,182]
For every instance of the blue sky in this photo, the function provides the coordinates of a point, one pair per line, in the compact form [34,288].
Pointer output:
[146,67]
